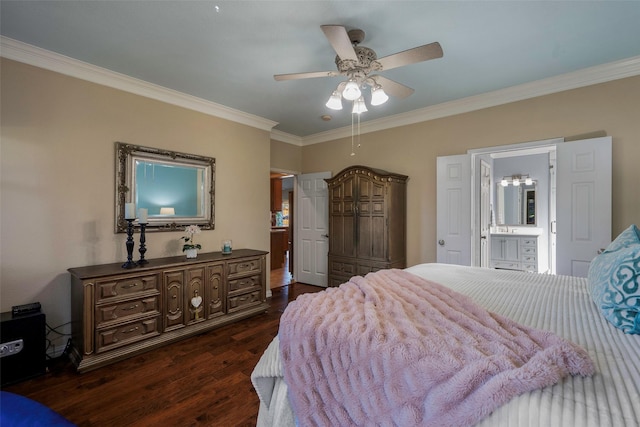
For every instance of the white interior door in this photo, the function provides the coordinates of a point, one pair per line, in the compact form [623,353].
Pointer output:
[583,204]
[454,209]
[311,248]
[485,212]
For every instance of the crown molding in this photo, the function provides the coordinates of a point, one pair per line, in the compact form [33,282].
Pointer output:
[586,77]
[32,55]
[278,135]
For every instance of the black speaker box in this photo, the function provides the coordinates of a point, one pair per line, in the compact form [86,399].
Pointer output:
[26,332]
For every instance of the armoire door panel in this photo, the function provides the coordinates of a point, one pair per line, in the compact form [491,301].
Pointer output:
[379,238]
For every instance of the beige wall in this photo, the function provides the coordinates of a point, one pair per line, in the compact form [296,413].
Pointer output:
[57,179]
[285,157]
[412,150]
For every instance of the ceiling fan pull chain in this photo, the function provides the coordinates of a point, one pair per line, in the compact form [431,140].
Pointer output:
[352,143]
[358,130]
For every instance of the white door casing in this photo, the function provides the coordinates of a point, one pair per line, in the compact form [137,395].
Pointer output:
[311,229]
[453,207]
[485,212]
[583,203]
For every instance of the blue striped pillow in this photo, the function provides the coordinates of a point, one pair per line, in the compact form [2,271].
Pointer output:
[614,281]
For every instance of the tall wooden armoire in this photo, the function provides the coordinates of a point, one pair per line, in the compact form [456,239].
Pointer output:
[367,222]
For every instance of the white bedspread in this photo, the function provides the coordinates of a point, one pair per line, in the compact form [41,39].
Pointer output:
[560,304]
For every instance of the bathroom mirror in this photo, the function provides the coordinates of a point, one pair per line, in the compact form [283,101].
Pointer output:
[516,205]
[176,189]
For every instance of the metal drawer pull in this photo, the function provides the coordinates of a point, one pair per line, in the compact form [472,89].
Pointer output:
[133,307]
[131,285]
[131,330]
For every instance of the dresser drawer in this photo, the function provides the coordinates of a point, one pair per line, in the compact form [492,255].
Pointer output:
[529,242]
[126,287]
[528,250]
[505,264]
[241,301]
[531,268]
[244,284]
[110,338]
[126,310]
[247,266]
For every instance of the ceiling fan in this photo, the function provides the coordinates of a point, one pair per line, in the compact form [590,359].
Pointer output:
[358,62]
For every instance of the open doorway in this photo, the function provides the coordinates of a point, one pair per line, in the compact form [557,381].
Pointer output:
[282,229]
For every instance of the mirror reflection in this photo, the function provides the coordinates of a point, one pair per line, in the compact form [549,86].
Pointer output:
[516,205]
[175,189]
[169,189]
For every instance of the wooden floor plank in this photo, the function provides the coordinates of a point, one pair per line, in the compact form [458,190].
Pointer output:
[200,381]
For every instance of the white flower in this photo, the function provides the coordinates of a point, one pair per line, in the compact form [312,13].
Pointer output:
[192,229]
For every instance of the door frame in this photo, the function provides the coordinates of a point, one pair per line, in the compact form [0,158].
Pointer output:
[532,147]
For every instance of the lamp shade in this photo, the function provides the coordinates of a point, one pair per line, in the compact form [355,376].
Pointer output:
[504,182]
[378,96]
[335,101]
[351,91]
[359,106]
[167,211]
[516,182]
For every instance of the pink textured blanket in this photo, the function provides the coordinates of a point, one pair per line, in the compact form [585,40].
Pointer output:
[393,349]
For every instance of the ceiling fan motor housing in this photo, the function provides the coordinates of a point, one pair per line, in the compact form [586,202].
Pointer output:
[365,64]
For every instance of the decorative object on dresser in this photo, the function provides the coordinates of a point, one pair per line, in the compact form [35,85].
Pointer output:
[129,216]
[118,314]
[227,246]
[189,246]
[367,222]
[142,221]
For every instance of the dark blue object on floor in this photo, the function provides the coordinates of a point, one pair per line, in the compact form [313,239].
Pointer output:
[20,411]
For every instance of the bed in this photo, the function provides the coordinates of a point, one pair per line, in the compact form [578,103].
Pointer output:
[560,304]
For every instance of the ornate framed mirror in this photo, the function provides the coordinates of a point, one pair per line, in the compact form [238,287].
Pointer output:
[176,189]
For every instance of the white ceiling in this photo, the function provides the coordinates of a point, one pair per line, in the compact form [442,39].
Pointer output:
[229,56]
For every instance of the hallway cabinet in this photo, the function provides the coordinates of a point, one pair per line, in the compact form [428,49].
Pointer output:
[367,222]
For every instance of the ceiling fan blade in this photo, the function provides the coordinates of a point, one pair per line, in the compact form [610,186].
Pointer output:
[411,56]
[311,75]
[337,36]
[393,88]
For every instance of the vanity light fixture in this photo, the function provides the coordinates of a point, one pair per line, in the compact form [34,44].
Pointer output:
[516,180]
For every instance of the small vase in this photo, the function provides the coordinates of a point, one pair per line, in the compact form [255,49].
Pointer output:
[192,253]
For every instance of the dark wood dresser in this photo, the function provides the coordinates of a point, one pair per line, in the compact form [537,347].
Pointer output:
[367,222]
[117,313]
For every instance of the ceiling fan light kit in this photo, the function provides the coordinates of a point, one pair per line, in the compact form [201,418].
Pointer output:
[335,101]
[359,106]
[351,91]
[378,96]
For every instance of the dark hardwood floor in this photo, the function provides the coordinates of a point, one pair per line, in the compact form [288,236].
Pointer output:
[203,380]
